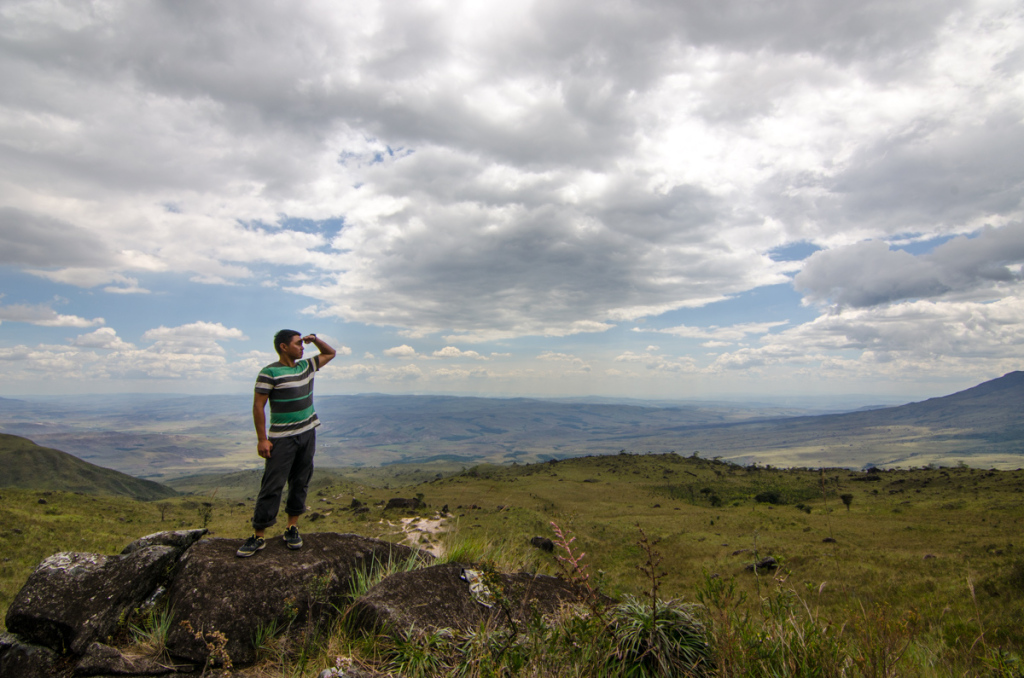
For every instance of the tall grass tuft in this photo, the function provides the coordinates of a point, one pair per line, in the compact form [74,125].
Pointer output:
[362,581]
[669,638]
[150,638]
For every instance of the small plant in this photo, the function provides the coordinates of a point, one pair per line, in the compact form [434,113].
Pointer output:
[668,638]
[216,647]
[847,500]
[205,512]
[151,635]
[421,654]
[575,570]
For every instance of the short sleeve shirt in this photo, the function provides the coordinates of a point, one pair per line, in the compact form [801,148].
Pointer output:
[291,397]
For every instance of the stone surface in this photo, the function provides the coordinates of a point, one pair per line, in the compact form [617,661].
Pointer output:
[73,599]
[404,504]
[543,543]
[104,660]
[436,597]
[23,660]
[179,539]
[766,564]
[215,591]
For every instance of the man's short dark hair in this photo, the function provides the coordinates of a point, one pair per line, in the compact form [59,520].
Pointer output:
[284,337]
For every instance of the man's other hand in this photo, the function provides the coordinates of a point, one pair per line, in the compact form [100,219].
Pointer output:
[263,448]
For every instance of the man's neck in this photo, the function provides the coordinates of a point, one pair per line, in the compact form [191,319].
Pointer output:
[286,361]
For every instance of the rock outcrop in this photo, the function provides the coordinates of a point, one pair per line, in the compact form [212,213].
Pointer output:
[437,597]
[24,660]
[72,612]
[217,592]
[73,599]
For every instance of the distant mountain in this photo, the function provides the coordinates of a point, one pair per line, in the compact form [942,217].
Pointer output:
[172,436]
[983,425]
[992,409]
[29,466]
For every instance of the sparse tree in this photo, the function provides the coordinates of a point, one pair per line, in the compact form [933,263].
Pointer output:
[847,500]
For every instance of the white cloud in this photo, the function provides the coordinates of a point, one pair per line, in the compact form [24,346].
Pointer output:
[374,373]
[576,363]
[657,363]
[870,273]
[722,335]
[43,316]
[403,351]
[925,335]
[483,173]
[191,339]
[104,337]
[453,352]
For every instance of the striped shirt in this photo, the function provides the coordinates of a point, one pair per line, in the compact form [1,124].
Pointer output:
[291,396]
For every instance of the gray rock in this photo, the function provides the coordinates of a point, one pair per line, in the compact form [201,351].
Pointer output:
[179,539]
[215,591]
[543,543]
[23,660]
[100,659]
[73,599]
[407,504]
[766,564]
[436,597]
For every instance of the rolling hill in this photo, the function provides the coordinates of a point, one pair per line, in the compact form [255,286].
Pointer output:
[29,466]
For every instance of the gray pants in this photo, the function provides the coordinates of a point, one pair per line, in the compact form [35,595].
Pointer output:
[291,460]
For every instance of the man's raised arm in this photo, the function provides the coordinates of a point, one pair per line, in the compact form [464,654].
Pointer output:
[326,352]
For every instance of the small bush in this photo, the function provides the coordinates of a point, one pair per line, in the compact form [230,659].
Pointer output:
[768,497]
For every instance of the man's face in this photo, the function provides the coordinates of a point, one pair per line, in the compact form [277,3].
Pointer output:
[293,349]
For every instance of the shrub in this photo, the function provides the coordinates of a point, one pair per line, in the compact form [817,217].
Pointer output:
[768,497]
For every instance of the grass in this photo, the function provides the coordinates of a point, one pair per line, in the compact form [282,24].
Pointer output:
[889,596]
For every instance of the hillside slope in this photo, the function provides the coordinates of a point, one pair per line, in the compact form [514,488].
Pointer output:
[29,466]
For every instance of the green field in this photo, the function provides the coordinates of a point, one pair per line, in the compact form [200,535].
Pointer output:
[933,554]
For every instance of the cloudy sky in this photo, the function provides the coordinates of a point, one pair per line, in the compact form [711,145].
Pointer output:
[648,199]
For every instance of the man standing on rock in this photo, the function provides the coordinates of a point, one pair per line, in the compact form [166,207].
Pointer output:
[289,445]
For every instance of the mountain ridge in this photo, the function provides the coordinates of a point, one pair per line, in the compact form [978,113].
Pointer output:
[30,466]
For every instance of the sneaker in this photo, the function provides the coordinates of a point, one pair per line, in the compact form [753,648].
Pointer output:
[251,546]
[292,538]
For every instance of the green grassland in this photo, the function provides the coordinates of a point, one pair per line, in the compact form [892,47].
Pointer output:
[934,554]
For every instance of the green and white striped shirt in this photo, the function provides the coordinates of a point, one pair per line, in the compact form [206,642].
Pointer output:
[291,396]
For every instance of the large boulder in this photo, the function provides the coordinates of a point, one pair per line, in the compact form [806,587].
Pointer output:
[179,539]
[216,592]
[24,660]
[73,599]
[438,597]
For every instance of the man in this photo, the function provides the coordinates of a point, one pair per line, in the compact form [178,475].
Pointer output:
[289,445]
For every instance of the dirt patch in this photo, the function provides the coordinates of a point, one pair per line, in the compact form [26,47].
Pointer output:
[422,533]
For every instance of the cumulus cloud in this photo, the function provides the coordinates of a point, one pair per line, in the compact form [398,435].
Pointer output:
[104,337]
[871,273]
[657,362]
[191,339]
[403,351]
[453,352]
[923,334]
[483,173]
[575,363]
[44,316]
[33,239]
